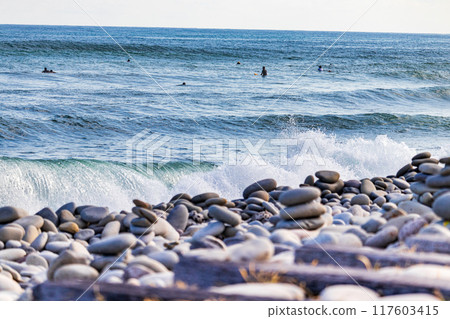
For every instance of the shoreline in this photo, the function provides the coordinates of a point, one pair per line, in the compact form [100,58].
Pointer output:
[406,213]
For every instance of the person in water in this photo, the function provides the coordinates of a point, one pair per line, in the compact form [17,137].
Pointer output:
[128,60]
[45,71]
[320,69]
[238,62]
[264,71]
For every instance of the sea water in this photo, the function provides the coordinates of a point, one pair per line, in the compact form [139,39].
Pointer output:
[67,136]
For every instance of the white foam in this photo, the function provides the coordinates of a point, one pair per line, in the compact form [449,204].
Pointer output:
[33,185]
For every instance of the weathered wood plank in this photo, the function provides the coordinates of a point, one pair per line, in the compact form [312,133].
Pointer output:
[202,274]
[430,243]
[71,291]
[357,257]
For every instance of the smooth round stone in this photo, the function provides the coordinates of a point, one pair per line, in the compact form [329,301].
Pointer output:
[84,234]
[398,197]
[260,194]
[445,171]
[309,180]
[438,181]
[284,236]
[94,214]
[441,206]
[9,214]
[168,258]
[383,238]
[349,240]
[181,196]
[47,213]
[160,280]
[430,168]
[400,183]
[267,185]
[209,242]
[411,228]
[328,176]
[274,291]
[135,271]
[348,293]
[12,254]
[224,215]
[8,284]
[65,216]
[75,272]
[13,244]
[421,155]
[345,217]
[9,232]
[113,245]
[258,231]
[306,224]
[299,196]
[405,169]
[69,227]
[380,201]
[178,217]
[212,229]
[57,246]
[35,260]
[204,197]
[338,222]
[360,199]
[36,221]
[111,229]
[412,207]
[164,229]
[332,187]
[418,162]
[271,208]
[367,187]
[148,214]
[373,224]
[426,199]
[420,188]
[258,249]
[216,201]
[40,241]
[31,233]
[360,233]
[49,226]
[308,210]
[141,222]
[71,207]
[324,238]
[149,263]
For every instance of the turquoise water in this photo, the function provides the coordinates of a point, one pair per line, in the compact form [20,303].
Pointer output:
[64,136]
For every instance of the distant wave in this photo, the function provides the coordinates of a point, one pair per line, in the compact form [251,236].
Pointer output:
[86,124]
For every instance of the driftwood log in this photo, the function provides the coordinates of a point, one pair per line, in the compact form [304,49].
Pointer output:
[71,291]
[365,257]
[314,279]
[432,243]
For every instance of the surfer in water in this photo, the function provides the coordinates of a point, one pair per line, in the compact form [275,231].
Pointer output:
[47,71]
[320,69]
[264,71]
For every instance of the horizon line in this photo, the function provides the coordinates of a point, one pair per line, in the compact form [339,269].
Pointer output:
[218,28]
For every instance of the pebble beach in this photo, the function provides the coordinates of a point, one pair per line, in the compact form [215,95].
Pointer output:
[406,213]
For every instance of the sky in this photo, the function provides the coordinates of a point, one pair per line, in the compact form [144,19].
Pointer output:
[410,16]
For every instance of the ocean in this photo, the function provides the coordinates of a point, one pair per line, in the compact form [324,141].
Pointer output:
[67,136]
